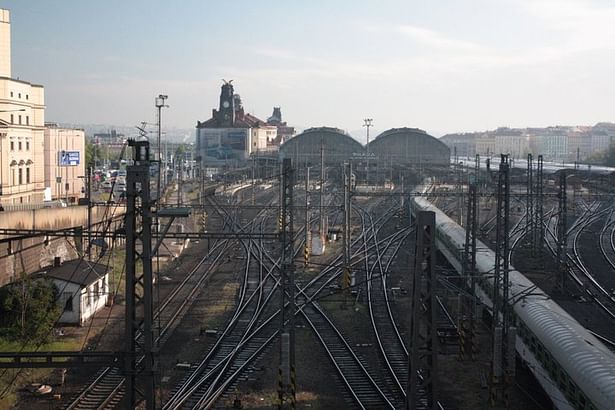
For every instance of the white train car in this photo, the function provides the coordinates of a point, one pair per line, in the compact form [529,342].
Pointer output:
[572,365]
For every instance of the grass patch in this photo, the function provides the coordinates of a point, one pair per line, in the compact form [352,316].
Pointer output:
[12,380]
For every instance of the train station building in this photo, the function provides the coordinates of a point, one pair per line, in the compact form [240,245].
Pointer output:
[231,135]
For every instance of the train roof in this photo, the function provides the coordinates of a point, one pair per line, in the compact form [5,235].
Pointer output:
[548,167]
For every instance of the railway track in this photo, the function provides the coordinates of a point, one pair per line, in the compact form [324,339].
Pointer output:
[392,347]
[248,334]
[107,389]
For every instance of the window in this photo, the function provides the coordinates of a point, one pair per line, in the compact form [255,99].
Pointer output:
[26,96]
[96,291]
[19,95]
[27,145]
[68,305]
[12,145]
[19,119]
[87,297]
[11,94]
[28,175]
[13,177]
[27,120]
[19,145]
[12,119]
[20,176]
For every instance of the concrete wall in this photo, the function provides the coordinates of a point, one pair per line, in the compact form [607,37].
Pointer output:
[33,254]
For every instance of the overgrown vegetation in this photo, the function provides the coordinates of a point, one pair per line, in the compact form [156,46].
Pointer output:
[28,310]
[606,157]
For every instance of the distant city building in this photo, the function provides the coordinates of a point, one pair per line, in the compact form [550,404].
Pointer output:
[64,162]
[513,142]
[464,145]
[109,138]
[231,135]
[284,131]
[485,144]
[22,119]
[113,143]
[559,143]
[551,143]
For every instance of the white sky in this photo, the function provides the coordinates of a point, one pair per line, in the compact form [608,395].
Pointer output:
[443,66]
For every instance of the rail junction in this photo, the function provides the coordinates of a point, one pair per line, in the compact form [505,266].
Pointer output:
[361,284]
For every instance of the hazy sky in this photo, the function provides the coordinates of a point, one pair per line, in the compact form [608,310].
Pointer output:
[442,66]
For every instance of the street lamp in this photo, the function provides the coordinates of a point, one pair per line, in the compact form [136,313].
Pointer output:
[160,103]
[88,183]
[367,122]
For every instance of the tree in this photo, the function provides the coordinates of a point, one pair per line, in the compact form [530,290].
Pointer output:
[90,153]
[609,157]
[28,310]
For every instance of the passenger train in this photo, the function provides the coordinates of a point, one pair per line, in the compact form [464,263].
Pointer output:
[575,368]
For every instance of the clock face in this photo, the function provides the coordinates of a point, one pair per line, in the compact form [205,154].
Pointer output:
[225,104]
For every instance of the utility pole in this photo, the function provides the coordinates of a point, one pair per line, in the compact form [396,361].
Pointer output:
[253,180]
[180,172]
[159,101]
[140,359]
[529,227]
[367,123]
[466,330]
[422,388]
[89,193]
[322,187]
[562,234]
[479,188]
[286,372]
[460,185]
[503,365]
[308,233]
[539,214]
[348,277]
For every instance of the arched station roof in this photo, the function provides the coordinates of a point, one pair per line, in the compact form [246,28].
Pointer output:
[304,148]
[409,146]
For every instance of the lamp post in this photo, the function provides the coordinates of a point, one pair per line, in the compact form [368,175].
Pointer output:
[367,122]
[88,192]
[159,104]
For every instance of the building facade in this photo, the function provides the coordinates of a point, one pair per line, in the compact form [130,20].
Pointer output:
[231,135]
[83,289]
[513,142]
[22,119]
[485,144]
[64,162]
[284,132]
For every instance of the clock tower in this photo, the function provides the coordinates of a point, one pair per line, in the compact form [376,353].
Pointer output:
[226,111]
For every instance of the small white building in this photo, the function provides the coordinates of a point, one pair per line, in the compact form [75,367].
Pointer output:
[83,289]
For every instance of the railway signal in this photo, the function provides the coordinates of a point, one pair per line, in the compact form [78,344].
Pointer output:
[203,221]
[306,254]
[346,279]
